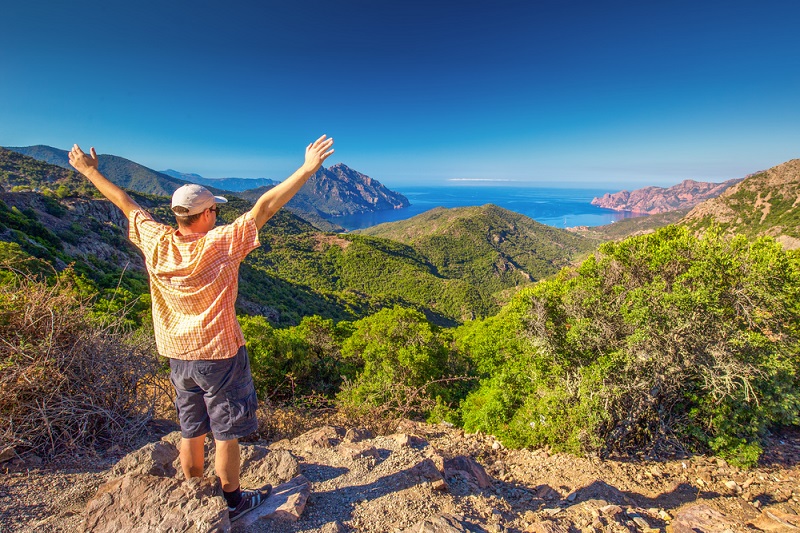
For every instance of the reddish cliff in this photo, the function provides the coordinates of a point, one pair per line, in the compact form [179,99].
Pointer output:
[653,200]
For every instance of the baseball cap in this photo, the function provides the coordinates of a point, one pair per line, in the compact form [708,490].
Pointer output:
[195,198]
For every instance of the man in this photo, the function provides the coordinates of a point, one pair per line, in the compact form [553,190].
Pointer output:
[193,284]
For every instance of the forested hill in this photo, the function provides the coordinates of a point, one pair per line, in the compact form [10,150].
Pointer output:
[767,203]
[121,171]
[491,247]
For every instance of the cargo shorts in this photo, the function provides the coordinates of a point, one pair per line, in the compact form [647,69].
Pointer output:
[215,395]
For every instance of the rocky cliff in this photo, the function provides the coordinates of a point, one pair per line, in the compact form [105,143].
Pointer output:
[654,200]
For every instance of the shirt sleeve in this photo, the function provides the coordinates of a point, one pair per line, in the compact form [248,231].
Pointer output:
[239,237]
[142,229]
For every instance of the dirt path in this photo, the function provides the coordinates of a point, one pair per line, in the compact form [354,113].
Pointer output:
[530,491]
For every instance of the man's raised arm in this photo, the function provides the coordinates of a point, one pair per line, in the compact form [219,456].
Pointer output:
[87,165]
[275,198]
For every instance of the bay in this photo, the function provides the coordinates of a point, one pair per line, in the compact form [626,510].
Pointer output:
[558,207]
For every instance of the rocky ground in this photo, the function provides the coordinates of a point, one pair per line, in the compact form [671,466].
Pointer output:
[430,478]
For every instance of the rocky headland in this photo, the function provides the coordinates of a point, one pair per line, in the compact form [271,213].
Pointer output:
[654,200]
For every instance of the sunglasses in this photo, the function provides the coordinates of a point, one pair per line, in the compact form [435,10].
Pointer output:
[214,209]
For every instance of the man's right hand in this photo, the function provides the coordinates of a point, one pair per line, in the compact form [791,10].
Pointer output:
[81,161]
[316,153]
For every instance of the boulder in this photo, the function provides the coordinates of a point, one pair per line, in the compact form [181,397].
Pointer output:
[139,503]
[358,434]
[405,440]
[285,502]
[275,467]
[469,468]
[426,471]
[154,459]
[358,450]
[323,437]
[700,518]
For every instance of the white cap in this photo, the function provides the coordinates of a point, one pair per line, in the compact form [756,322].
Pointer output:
[195,198]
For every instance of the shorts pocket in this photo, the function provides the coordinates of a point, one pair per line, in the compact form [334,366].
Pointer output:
[242,403]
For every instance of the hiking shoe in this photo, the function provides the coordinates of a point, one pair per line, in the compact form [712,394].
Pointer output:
[250,500]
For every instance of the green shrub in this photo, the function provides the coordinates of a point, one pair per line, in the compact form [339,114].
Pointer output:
[657,343]
[405,367]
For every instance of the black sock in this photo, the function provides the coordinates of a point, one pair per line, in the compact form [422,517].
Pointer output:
[233,497]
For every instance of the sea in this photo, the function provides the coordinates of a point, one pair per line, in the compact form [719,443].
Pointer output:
[557,207]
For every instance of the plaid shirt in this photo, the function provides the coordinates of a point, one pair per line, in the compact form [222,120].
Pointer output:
[194,281]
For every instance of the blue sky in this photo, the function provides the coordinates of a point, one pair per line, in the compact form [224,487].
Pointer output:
[600,93]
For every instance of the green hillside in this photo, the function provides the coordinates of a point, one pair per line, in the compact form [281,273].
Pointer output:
[767,203]
[629,227]
[488,246]
[121,171]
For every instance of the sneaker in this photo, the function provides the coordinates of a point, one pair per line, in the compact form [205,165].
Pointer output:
[250,500]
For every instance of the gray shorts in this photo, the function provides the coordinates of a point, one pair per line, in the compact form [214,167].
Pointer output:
[216,396]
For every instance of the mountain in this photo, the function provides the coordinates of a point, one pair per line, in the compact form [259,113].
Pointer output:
[654,200]
[491,247]
[766,203]
[121,171]
[226,184]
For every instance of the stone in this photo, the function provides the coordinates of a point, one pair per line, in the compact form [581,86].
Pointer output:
[546,527]
[139,503]
[444,523]
[733,487]
[469,468]
[612,511]
[405,440]
[173,438]
[358,434]
[357,450]
[7,454]
[700,518]
[775,520]
[322,437]
[426,470]
[154,458]
[275,467]
[333,527]
[546,492]
[286,502]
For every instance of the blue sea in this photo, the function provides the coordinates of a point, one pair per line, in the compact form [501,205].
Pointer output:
[561,208]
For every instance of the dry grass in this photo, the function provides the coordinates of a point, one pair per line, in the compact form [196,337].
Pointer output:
[67,382]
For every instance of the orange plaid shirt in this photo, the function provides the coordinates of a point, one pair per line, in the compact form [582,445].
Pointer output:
[194,281]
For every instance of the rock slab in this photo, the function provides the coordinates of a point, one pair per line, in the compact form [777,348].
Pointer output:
[140,503]
[285,502]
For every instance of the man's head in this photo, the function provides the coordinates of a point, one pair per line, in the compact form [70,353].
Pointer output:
[195,207]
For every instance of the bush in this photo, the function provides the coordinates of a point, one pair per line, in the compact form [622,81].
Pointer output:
[296,363]
[405,367]
[659,343]
[67,382]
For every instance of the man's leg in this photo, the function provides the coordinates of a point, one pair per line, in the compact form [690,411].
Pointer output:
[192,456]
[227,463]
